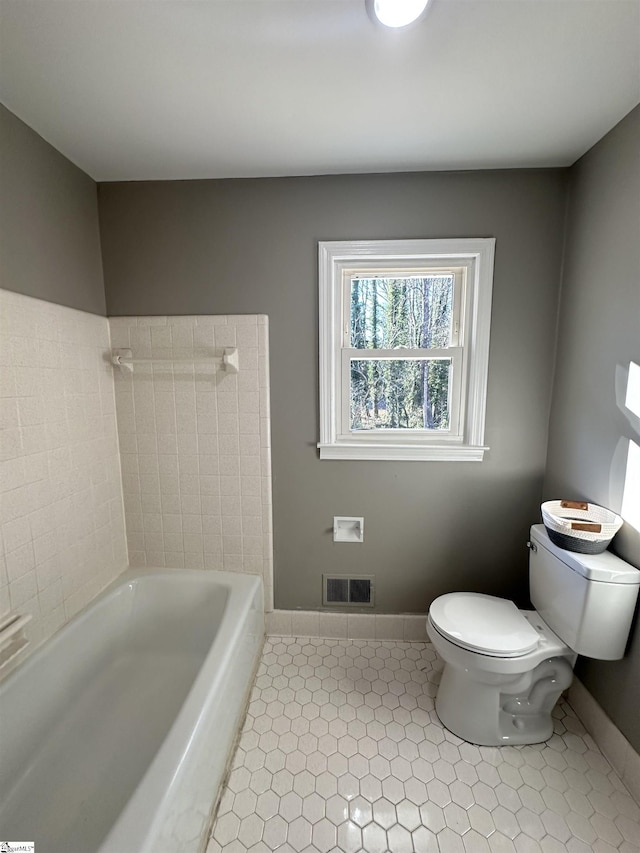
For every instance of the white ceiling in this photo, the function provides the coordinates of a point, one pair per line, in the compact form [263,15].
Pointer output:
[165,89]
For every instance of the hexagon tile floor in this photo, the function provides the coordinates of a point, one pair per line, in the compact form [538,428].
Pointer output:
[342,751]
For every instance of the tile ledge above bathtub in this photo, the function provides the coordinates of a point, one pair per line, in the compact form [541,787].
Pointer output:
[408,628]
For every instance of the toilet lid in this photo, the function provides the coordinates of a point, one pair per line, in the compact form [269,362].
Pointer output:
[483,623]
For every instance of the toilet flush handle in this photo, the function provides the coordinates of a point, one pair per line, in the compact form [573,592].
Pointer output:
[532,547]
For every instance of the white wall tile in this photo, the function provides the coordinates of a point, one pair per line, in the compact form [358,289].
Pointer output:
[389,627]
[278,622]
[61,518]
[361,626]
[333,625]
[196,476]
[415,629]
[355,626]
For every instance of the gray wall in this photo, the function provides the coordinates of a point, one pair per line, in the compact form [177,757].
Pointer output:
[250,246]
[49,238]
[599,334]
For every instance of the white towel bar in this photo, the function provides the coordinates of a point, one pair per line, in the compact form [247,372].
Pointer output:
[123,358]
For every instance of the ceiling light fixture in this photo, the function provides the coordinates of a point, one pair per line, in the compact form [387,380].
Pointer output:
[397,13]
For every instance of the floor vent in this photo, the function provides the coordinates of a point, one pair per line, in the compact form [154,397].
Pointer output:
[346,590]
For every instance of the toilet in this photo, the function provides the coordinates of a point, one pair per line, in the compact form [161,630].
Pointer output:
[504,668]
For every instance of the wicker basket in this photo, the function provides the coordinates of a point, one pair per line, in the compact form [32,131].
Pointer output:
[580,526]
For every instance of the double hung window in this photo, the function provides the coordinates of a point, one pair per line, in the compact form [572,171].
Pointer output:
[404,341]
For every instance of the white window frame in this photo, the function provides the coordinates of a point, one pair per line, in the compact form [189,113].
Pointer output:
[471,260]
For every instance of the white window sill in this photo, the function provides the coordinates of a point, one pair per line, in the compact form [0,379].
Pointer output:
[403,453]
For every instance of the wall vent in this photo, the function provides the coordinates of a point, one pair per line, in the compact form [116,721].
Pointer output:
[348,590]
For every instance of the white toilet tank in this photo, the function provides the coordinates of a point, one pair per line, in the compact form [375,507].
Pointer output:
[587,599]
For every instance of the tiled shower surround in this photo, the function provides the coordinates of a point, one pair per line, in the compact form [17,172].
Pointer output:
[195,444]
[62,527]
[342,752]
[194,450]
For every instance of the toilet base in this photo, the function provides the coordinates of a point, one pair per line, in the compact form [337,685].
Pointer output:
[502,709]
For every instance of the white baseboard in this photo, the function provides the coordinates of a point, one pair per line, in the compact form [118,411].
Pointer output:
[613,744]
[410,628]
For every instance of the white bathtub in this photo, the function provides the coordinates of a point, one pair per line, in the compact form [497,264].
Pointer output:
[115,734]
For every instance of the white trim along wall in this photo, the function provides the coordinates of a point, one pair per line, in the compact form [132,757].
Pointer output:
[623,757]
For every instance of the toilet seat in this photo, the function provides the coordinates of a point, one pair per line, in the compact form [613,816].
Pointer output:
[484,624]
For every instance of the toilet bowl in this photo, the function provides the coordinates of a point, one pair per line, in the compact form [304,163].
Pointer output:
[495,699]
[504,668]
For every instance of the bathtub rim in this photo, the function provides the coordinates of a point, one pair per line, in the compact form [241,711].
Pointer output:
[129,574]
[164,773]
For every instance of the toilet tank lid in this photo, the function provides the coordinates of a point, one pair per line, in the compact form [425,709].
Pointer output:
[483,623]
[605,567]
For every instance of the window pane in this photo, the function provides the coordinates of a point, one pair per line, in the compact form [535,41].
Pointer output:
[399,394]
[412,312]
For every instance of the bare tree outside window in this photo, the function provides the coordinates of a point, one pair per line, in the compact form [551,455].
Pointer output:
[399,313]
